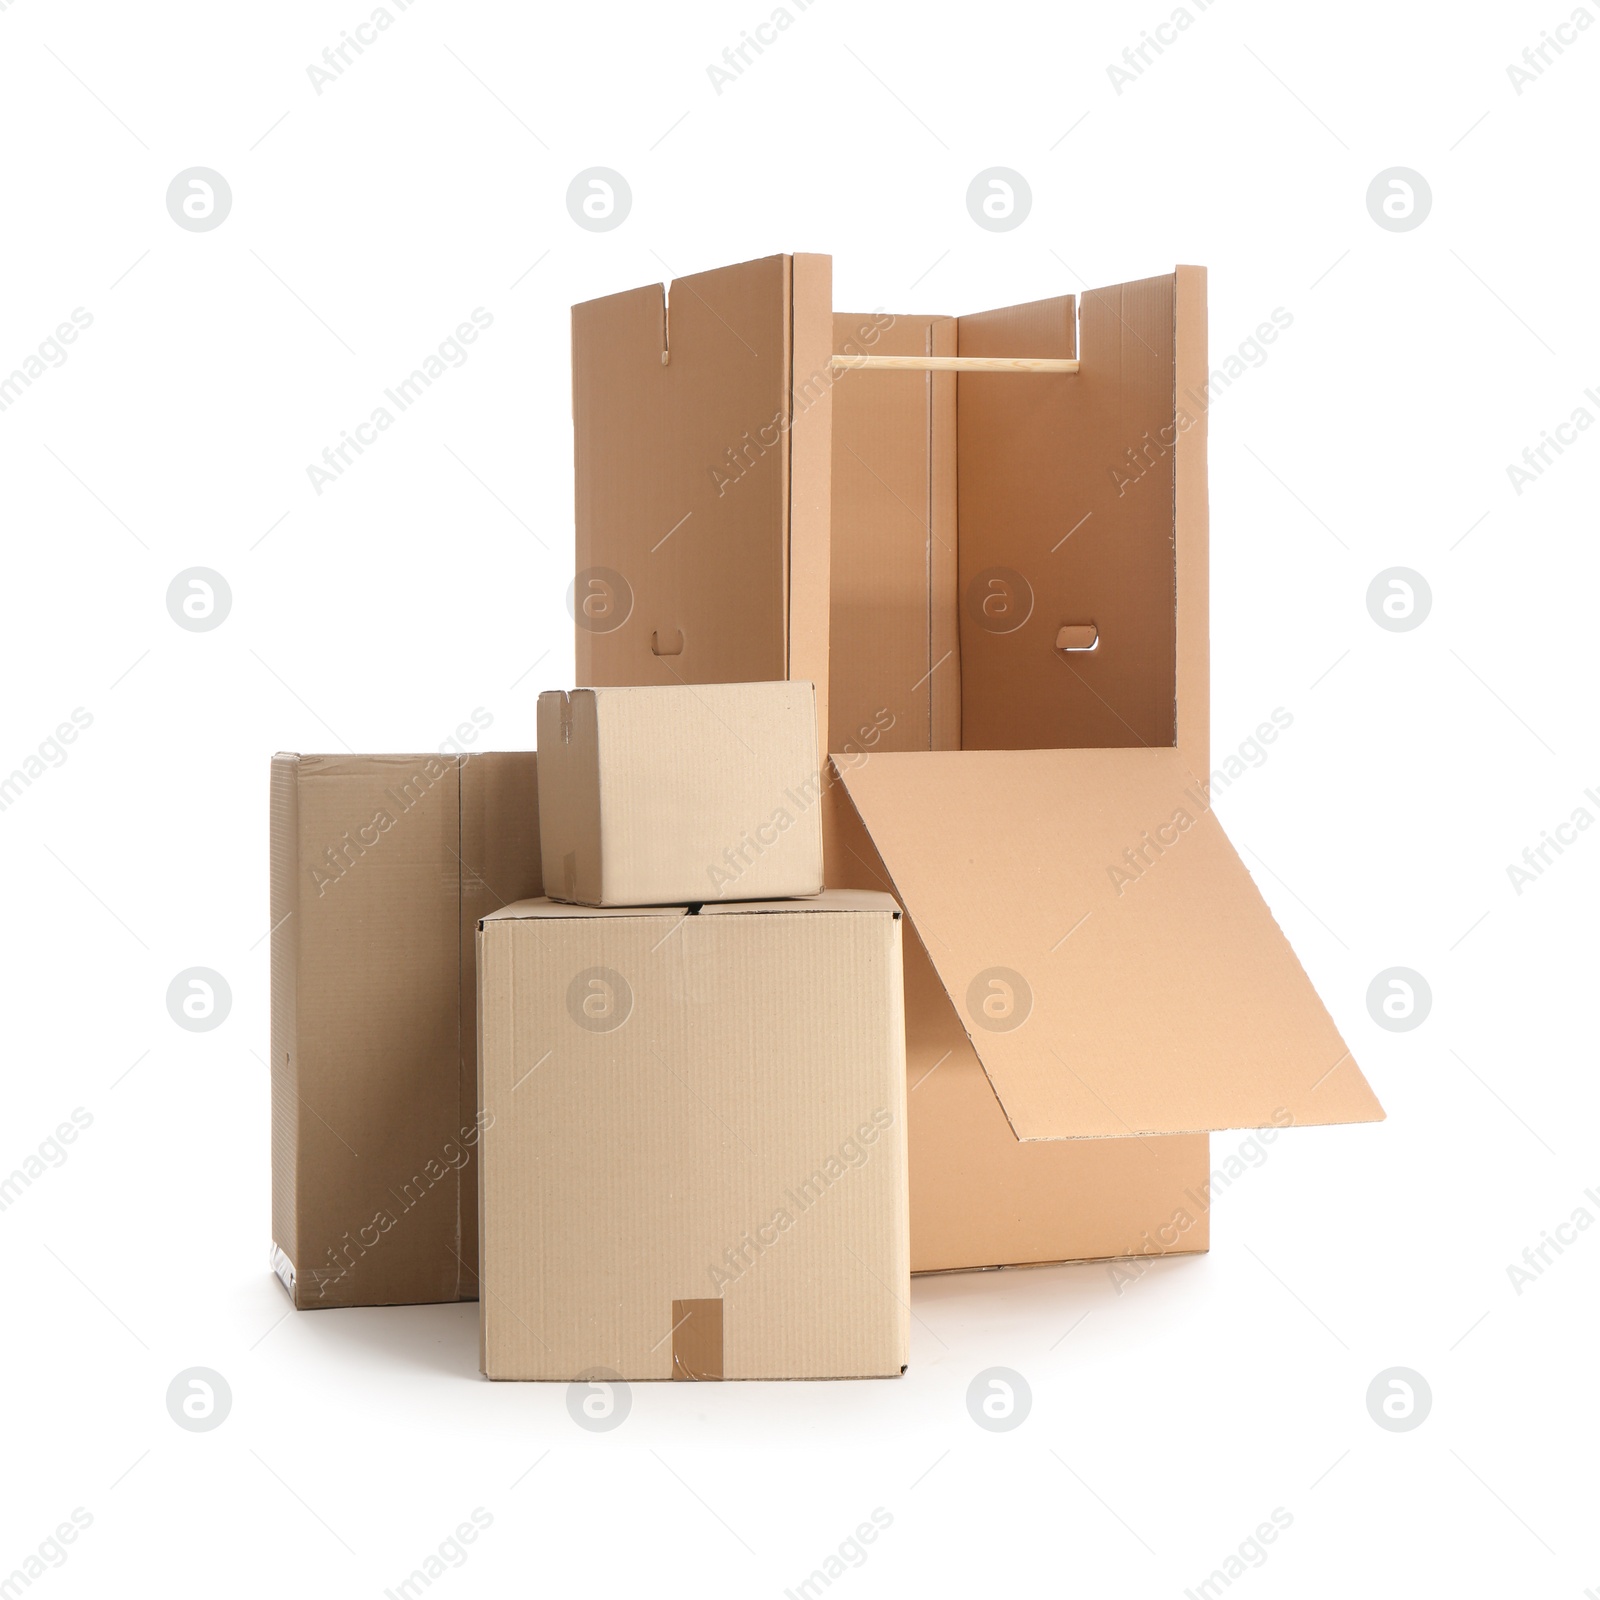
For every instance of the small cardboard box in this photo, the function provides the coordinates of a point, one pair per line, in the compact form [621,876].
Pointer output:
[381,868]
[693,1162]
[999,583]
[674,795]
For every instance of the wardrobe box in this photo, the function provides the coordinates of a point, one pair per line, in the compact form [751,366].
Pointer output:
[998,583]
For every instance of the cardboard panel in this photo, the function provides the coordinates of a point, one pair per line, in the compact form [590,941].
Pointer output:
[681,426]
[1192,516]
[1065,487]
[284,905]
[371,1063]
[893,665]
[499,864]
[1108,954]
[811,479]
[980,1197]
[380,864]
[671,1117]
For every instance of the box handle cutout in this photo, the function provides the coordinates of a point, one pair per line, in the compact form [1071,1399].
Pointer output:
[655,644]
[1078,636]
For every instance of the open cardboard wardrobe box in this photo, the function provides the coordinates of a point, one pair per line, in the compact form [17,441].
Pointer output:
[984,539]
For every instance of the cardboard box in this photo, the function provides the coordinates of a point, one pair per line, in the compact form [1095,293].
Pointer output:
[381,868]
[693,1161]
[680,794]
[999,584]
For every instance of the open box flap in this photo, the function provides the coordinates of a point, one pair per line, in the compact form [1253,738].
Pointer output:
[1104,946]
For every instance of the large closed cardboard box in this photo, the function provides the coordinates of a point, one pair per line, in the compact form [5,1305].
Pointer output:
[998,582]
[693,1161]
[381,868]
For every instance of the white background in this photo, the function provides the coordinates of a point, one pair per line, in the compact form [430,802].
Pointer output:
[429,582]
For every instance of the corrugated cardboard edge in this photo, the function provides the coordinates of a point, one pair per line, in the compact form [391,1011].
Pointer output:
[1191,516]
[285,936]
[484,1289]
[810,459]
[944,634]
[500,861]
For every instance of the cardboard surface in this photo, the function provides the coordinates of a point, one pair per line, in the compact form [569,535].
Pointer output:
[979,1196]
[684,793]
[893,668]
[381,866]
[698,449]
[1065,515]
[672,1118]
[1109,956]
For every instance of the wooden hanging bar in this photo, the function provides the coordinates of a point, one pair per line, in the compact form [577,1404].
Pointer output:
[843,363]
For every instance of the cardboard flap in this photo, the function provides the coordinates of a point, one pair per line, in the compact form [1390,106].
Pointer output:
[1104,946]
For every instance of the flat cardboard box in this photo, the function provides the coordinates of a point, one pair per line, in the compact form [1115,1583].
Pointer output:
[680,793]
[381,868]
[999,584]
[693,1161]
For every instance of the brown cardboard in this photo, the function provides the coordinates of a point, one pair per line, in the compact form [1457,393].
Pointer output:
[693,1166]
[703,447]
[680,793]
[381,867]
[1110,957]
[1019,682]
[981,1198]
[893,663]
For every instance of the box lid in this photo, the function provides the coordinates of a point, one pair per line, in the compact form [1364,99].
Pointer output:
[857,900]
[1106,949]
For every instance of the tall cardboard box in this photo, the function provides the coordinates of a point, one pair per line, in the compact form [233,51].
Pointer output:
[999,584]
[381,868]
[693,1161]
